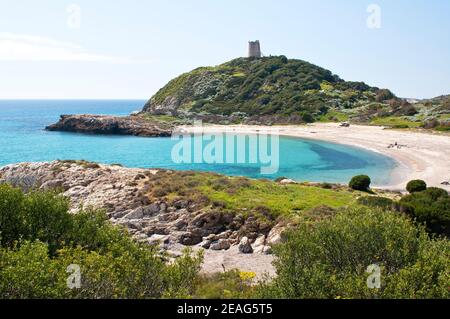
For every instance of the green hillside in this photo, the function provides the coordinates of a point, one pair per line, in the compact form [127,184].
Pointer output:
[277,90]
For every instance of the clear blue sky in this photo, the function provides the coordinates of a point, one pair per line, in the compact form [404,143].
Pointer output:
[130,48]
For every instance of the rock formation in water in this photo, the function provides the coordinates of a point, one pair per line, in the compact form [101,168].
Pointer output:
[114,125]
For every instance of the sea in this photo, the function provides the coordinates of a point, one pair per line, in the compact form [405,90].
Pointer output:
[23,138]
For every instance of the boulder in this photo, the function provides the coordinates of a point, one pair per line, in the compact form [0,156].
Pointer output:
[159,239]
[52,184]
[267,250]
[190,238]
[221,244]
[206,244]
[274,236]
[135,214]
[287,181]
[245,247]
[152,209]
[259,244]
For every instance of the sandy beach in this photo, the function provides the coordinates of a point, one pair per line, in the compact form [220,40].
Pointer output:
[421,155]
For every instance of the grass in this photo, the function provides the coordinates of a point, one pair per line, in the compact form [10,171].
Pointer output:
[245,196]
[280,199]
[161,118]
[395,122]
[333,116]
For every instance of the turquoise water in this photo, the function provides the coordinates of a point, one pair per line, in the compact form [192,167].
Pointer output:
[23,139]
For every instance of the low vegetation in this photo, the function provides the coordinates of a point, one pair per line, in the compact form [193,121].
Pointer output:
[335,258]
[341,240]
[431,207]
[278,90]
[377,202]
[40,240]
[262,198]
[274,89]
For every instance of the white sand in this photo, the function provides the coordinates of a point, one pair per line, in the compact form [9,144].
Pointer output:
[424,155]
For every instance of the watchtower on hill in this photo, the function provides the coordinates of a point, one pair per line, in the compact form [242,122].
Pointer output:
[254,49]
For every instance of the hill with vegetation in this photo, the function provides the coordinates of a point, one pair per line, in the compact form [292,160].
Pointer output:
[275,90]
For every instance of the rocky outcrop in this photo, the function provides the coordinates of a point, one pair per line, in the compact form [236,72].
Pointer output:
[245,247]
[124,194]
[114,125]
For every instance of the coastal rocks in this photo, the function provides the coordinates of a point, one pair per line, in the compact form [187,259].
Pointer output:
[221,244]
[168,107]
[52,184]
[159,239]
[245,247]
[190,238]
[145,211]
[127,198]
[212,222]
[251,228]
[135,214]
[259,244]
[274,237]
[113,125]
[287,181]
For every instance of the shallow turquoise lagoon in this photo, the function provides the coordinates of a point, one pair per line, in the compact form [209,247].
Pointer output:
[23,139]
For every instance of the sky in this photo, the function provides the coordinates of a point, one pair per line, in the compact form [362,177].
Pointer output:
[128,49]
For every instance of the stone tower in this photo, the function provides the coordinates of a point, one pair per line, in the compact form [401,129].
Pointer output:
[254,49]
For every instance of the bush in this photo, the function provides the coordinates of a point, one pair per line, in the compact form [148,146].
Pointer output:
[307,117]
[384,95]
[11,214]
[360,183]
[377,202]
[400,126]
[416,186]
[36,216]
[232,284]
[431,207]
[330,259]
[45,239]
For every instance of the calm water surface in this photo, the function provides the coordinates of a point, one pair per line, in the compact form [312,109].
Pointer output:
[23,139]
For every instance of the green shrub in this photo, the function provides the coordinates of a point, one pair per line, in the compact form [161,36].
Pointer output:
[416,186]
[232,284]
[11,214]
[46,218]
[400,126]
[376,201]
[28,271]
[443,128]
[383,95]
[436,193]
[360,183]
[307,117]
[431,207]
[330,259]
[45,239]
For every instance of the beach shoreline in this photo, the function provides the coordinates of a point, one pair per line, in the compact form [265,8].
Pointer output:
[419,155]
